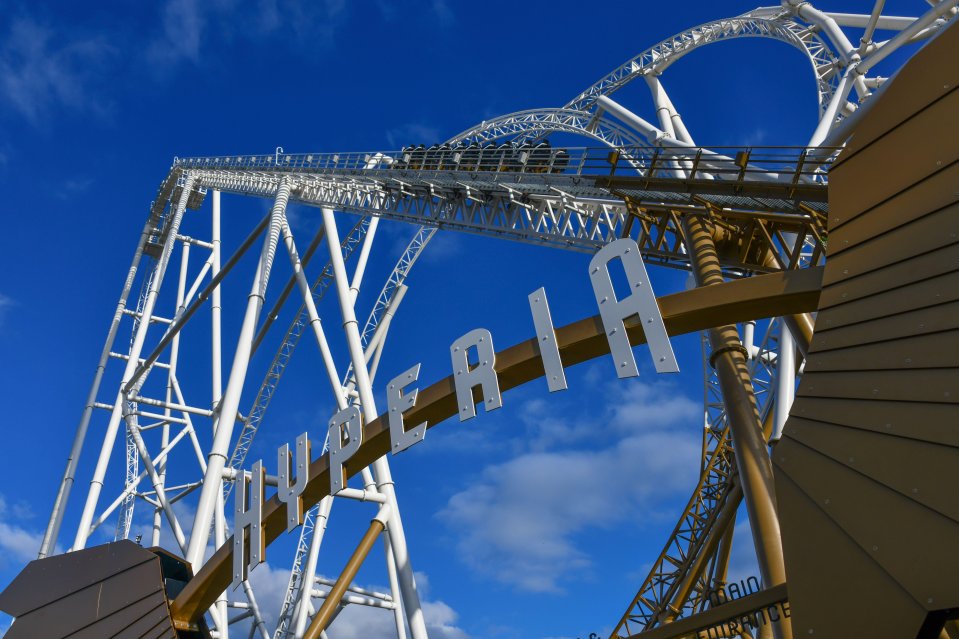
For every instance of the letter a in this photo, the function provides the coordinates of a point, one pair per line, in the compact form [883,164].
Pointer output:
[641,302]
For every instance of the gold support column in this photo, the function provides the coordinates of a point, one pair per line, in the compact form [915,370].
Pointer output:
[325,613]
[752,459]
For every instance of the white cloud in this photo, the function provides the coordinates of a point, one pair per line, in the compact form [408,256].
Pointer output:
[18,544]
[519,521]
[183,24]
[443,13]
[356,621]
[631,407]
[6,303]
[73,187]
[412,133]
[185,36]
[41,69]
[269,587]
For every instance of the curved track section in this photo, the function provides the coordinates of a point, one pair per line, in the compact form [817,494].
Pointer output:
[771,23]
[540,122]
[781,293]
[653,185]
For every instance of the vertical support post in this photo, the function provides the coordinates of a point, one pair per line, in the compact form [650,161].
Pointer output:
[785,382]
[749,338]
[258,623]
[109,438]
[752,457]
[665,109]
[301,614]
[411,600]
[363,259]
[395,589]
[315,322]
[723,553]
[230,403]
[134,430]
[171,376]
[216,376]
[69,474]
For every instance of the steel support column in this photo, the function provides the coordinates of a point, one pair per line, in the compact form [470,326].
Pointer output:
[216,379]
[302,604]
[384,479]
[69,474]
[109,437]
[230,403]
[752,458]
[719,530]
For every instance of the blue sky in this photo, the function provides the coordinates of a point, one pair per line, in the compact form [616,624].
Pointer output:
[538,520]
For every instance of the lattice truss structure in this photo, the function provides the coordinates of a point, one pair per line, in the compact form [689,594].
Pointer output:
[757,210]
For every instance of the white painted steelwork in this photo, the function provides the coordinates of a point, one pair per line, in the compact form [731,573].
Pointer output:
[507,191]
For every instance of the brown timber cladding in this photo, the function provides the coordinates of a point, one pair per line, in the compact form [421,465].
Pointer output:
[866,471]
[114,590]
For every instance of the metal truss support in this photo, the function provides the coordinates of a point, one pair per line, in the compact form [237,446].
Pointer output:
[771,23]
[381,469]
[579,209]
[752,458]
[300,611]
[216,460]
[542,122]
[284,353]
[294,614]
[695,559]
[96,483]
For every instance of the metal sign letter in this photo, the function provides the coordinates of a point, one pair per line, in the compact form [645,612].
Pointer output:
[641,301]
[346,437]
[247,517]
[482,374]
[546,341]
[291,495]
[398,403]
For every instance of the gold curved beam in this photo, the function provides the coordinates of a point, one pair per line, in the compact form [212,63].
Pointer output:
[772,295]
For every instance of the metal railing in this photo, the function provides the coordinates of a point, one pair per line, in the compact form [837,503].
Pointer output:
[778,164]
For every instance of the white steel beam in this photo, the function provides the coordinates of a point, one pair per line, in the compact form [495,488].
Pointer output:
[229,406]
[414,612]
[871,22]
[69,474]
[216,378]
[106,450]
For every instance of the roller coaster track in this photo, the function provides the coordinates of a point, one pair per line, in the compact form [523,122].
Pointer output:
[769,22]
[759,195]
[766,210]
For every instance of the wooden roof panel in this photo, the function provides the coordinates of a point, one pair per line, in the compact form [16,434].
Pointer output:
[874,454]
[894,276]
[907,154]
[936,292]
[941,423]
